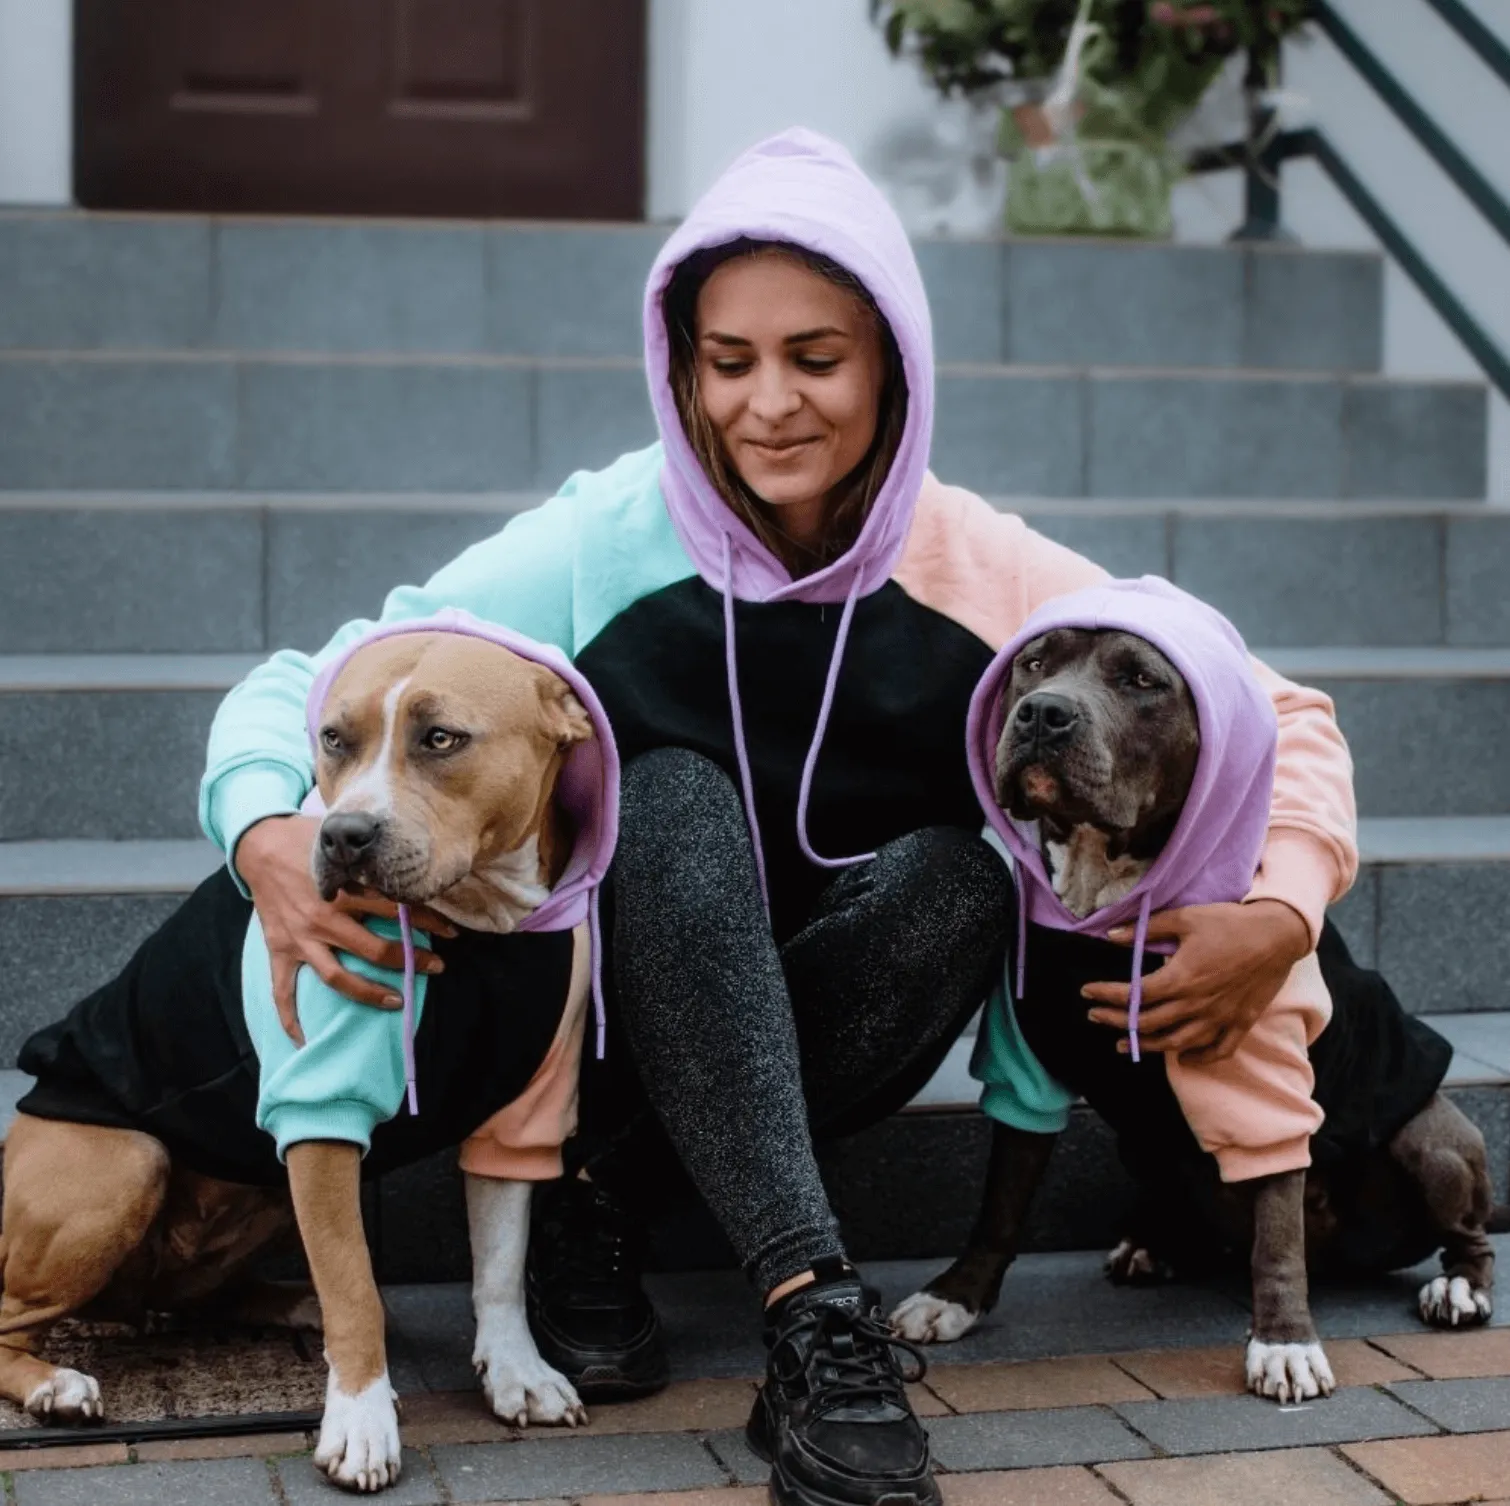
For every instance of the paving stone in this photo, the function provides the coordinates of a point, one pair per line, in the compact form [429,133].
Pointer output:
[431,1417]
[304,1485]
[332,286]
[587,416]
[208,1482]
[1314,1476]
[90,282]
[739,1495]
[1436,1471]
[574,1467]
[1415,439]
[1460,1406]
[1452,1356]
[1026,1487]
[738,1458]
[245,1445]
[1005,433]
[1289,582]
[164,424]
[1079,303]
[1176,1373]
[1313,311]
[106,580]
[1184,436]
[1017,1440]
[63,1456]
[1209,1425]
[398,426]
[1078,1381]
[683,1407]
[965,298]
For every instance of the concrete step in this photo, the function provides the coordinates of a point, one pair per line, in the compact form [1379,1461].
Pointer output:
[468,422]
[112,746]
[89,281]
[1427,910]
[162,572]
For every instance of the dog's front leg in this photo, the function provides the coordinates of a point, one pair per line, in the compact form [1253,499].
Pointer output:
[949,1306]
[1285,1359]
[520,1387]
[359,1443]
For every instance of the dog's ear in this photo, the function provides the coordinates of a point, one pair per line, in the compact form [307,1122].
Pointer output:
[566,718]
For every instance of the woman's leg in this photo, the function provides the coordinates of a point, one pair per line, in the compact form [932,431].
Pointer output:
[703,1001]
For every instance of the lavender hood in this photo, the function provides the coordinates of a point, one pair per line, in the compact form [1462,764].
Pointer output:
[801,188]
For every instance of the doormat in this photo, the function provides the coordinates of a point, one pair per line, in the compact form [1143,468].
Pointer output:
[179,1382]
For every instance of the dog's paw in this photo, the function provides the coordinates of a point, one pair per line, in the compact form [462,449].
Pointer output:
[359,1445]
[66,1396]
[521,1388]
[1288,1372]
[928,1319]
[1451,1302]
[1129,1264]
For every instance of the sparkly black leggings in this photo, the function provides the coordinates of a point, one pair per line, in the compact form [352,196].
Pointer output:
[747,1049]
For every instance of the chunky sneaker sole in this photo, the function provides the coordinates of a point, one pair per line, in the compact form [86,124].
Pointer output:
[639,1369]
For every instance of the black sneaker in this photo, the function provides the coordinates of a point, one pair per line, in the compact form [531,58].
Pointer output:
[588,1312]
[833,1417]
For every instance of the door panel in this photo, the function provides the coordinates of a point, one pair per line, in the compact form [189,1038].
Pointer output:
[447,107]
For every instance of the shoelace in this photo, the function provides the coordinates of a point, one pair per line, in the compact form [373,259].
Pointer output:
[868,1371]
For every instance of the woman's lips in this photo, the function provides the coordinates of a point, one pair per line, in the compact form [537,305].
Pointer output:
[782,448]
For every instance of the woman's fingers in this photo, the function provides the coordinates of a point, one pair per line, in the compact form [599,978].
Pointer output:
[366,902]
[362,990]
[350,935]
[285,996]
[1187,1038]
[1220,1050]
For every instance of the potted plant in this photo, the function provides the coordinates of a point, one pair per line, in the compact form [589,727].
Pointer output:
[1090,92]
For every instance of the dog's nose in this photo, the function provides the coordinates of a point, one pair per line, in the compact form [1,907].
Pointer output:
[346,837]
[1047,718]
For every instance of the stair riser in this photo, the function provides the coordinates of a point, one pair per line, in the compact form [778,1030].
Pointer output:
[185,283]
[228,580]
[126,764]
[1436,931]
[221,423]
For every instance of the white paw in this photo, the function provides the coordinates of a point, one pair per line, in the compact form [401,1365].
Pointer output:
[1288,1372]
[520,1387]
[926,1319]
[1130,1264]
[359,1445]
[66,1396]
[1453,1303]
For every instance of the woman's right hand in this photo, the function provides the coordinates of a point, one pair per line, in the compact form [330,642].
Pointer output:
[301,929]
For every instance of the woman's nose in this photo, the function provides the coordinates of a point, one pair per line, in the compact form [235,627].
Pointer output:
[774,398]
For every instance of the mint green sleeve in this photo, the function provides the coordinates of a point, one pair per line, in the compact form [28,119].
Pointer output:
[259,761]
[1017,1091]
[348,1076]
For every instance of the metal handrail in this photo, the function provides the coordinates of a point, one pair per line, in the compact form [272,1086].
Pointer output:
[1491,51]
[1463,173]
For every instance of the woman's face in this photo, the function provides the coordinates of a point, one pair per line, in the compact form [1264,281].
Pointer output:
[789,372]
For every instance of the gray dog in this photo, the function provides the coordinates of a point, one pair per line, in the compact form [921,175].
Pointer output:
[1099,745]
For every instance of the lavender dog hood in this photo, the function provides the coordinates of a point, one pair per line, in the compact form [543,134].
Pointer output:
[800,188]
[1214,851]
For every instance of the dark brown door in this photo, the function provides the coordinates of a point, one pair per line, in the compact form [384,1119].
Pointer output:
[442,107]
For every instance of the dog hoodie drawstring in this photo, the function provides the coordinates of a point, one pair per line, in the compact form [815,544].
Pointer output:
[1135,993]
[406,932]
[741,753]
[595,940]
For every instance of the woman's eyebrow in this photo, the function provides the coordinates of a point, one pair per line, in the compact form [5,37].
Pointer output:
[815,334]
[719,338]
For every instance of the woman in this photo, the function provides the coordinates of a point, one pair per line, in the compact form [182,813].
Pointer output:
[784,615]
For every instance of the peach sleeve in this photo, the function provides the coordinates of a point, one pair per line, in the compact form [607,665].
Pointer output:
[522,1141]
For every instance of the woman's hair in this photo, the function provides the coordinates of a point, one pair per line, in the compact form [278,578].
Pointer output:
[858,490]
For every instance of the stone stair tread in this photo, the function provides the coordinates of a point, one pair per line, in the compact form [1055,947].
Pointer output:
[1422,662]
[86,867]
[1434,839]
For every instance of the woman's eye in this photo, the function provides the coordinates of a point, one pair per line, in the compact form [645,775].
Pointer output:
[818,365]
[330,740]
[439,740]
[731,368]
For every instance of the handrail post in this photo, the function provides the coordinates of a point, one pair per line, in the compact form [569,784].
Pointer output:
[1261,165]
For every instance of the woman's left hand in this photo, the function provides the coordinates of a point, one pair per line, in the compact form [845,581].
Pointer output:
[1231,962]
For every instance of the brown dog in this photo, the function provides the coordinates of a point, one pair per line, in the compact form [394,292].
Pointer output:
[439,756]
[1099,746]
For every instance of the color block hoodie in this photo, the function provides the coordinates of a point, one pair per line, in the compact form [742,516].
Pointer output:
[852,684]
[353,1070]
[1258,1108]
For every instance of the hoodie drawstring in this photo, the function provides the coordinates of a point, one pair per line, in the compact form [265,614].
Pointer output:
[741,753]
[1135,995]
[595,938]
[406,932]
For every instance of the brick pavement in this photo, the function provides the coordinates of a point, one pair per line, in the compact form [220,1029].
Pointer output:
[1421,1420]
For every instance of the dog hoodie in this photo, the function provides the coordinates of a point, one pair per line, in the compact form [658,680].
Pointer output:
[1255,1112]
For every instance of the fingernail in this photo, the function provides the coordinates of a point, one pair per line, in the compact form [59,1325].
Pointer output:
[1119,933]
[1123,1047]
[393,1001]
[435,965]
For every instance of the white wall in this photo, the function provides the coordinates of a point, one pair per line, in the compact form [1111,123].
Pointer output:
[36,102]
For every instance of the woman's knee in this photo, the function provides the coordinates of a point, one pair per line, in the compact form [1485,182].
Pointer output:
[946,872]
[675,784]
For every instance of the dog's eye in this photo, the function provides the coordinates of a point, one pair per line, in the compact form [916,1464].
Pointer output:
[440,740]
[1144,681]
[330,740]
[1032,665]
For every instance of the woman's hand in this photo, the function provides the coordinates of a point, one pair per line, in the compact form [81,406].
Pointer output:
[1231,963]
[302,929]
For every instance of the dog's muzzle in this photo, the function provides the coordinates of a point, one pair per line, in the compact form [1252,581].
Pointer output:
[1042,723]
[345,847]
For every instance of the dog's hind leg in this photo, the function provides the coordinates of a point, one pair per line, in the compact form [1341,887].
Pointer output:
[1284,1359]
[79,1200]
[1442,1151]
[948,1307]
